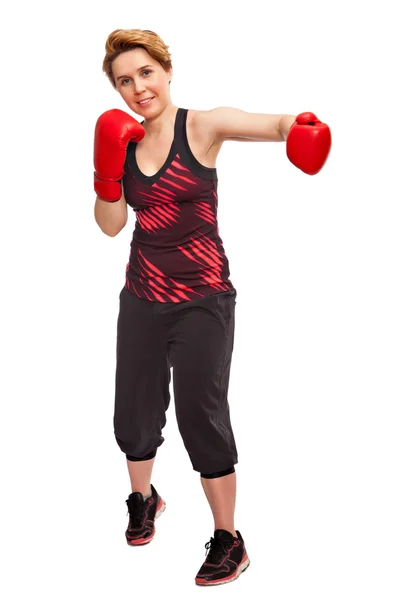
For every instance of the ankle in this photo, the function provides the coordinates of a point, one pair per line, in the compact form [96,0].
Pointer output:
[231,530]
[146,491]
[146,496]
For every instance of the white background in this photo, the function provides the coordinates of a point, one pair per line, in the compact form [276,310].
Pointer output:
[315,387]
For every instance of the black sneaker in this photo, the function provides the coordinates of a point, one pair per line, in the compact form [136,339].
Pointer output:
[226,560]
[142,514]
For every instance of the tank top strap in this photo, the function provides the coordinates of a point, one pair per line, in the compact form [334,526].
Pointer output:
[181,143]
[180,127]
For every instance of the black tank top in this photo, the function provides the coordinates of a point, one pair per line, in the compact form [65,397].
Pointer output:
[176,253]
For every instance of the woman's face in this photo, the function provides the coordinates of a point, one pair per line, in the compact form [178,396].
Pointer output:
[139,77]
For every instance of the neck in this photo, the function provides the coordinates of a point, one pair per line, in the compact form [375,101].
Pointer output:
[157,125]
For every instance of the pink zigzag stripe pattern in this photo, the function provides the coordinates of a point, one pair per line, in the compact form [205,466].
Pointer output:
[152,219]
[188,262]
[205,253]
[157,282]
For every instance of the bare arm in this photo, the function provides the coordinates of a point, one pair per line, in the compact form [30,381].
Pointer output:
[227,123]
[111,217]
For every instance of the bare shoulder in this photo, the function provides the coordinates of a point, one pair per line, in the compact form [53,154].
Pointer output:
[202,138]
[201,123]
[206,122]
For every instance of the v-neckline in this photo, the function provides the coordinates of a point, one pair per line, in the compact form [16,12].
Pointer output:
[150,179]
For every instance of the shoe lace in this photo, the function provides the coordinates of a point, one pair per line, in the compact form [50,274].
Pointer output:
[217,549]
[136,511]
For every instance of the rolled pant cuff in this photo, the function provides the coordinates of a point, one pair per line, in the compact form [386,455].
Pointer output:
[146,457]
[218,473]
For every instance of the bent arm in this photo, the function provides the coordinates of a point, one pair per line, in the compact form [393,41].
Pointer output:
[111,217]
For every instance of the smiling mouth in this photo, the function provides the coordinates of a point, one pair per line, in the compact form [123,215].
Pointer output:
[145,102]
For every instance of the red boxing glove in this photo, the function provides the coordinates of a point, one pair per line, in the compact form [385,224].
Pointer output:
[308,143]
[114,130]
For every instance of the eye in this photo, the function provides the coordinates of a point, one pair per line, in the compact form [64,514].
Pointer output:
[146,72]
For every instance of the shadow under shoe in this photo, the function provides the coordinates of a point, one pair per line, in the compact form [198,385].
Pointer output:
[142,514]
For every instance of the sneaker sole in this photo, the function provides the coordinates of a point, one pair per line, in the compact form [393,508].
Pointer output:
[144,541]
[241,568]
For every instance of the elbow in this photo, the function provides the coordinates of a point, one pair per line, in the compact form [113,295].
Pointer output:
[110,227]
[112,232]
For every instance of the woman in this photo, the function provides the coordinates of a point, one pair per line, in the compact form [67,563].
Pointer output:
[177,307]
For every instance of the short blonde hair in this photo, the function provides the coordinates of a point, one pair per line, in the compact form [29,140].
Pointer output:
[122,40]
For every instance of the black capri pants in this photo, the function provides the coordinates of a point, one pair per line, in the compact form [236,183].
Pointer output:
[195,338]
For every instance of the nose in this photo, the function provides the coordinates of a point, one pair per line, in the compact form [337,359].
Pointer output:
[138,87]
